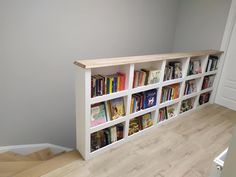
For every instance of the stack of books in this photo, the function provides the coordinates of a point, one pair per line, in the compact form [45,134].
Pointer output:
[166,113]
[204,98]
[107,111]
[190,87]
[212,63]
[140,123]
[101,85]
[146,77]
[208,81]
[194,67]
[143,100]
[173,70]
[170,92]
[106,136]
[186,105]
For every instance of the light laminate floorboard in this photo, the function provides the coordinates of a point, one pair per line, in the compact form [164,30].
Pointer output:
[185,147]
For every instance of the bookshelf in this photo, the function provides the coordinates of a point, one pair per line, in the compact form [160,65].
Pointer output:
[181,68]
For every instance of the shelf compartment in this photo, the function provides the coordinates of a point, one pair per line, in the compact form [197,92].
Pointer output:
[196,65]
[170,92]
[111,96]
[107,136]
[212,63]
[187,105]
[140,123]
[167,112]
[174,69]
[147,73]
[208,82]
[204,97]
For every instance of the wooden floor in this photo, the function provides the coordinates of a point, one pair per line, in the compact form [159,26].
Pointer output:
[185,147]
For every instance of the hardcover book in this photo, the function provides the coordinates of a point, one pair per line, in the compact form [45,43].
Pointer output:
[117,108]
[150,98]
[98,114]
[147,121]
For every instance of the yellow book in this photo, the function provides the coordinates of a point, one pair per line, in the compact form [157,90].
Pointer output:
[132,105]
[118,83]
[110,85]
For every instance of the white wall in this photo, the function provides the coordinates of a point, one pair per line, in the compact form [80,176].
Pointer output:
[39,40]
[200,24]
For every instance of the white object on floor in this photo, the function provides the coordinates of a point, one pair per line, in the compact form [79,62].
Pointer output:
[31,148]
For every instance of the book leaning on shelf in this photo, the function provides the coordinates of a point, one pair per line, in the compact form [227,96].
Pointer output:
[208,81]
[145,77]
[194,67]
[101,85]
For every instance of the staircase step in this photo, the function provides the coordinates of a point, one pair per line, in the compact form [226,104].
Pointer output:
[12,156]
[8,169]
[50,165]
[44,154]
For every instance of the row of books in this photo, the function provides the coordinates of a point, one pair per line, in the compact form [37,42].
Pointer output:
[187,105]
[208,81]
[212,63]
[106,136]
[146,77]
[204,98]
[194,67]
[190,87]
[173,70]
[140,123]
[106,111]
[166,113]
[170,92]
[101,85]
[143,100]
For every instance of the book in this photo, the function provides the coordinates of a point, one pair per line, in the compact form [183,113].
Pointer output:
[147,121]
[98,114]
[187,105]
[204,98]
[153,76]
[97,140]
[134,125]
[150,98]
[208,82]
[120,131]
[117,108]
[170,111]
[113,134]
[194,67]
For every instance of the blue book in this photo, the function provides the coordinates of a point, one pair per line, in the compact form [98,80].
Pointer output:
[150,98]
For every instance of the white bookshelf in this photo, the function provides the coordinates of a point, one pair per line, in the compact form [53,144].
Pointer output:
[86,68]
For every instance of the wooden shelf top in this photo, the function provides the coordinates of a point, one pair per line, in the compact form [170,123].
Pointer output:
[96,63]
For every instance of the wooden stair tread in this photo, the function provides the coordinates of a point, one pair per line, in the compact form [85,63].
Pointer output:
[7,169]
[12,156]
[44,154]
[50,165]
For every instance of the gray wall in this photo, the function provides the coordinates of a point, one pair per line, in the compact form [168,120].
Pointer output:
[200,24]
[39,40]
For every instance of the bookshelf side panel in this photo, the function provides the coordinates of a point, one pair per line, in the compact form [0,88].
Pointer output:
[83,96]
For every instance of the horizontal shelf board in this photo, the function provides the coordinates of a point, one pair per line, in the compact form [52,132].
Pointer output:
[110,96]
[188,111]
[174,81]
[141,132]
[108,124]
[166,121]
[96,63]
[142,112]
[203,105]
[106,148]
[206,90]
[210,72]
[190,95]
[195,76]
[168,103]
[145,88]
